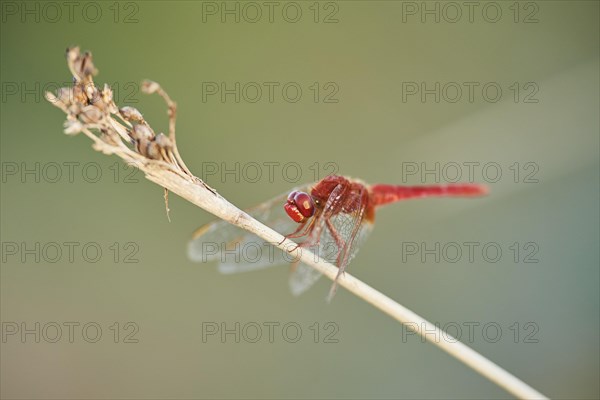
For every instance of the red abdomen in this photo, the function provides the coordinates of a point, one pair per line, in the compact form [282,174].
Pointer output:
[385,194]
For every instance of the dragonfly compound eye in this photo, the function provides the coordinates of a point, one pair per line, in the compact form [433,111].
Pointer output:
[299,206]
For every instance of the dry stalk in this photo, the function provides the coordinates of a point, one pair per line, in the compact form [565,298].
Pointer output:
[125,133]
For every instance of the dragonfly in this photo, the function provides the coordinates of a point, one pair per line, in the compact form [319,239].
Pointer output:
[332,218]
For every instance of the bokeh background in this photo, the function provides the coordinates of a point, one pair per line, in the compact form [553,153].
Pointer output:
[543,55]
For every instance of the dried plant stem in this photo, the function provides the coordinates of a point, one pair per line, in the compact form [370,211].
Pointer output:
[157,156]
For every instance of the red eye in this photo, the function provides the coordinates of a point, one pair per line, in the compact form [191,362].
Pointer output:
[305,204]
[299,206]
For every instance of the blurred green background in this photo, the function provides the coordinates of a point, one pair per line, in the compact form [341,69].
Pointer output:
[543,55]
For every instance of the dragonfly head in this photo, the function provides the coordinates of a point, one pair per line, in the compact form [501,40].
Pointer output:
[299,206]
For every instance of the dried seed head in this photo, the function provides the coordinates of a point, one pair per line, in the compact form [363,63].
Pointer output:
[90,108]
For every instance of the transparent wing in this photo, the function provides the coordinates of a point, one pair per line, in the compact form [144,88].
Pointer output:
[237,250]
[353,228]
[303,276]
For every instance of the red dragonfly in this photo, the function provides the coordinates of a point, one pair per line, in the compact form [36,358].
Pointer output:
[332,218]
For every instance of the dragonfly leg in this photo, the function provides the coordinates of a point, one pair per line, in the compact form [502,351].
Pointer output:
[305,244]
[301,231]
[338,241]
[294,249]
[291,235]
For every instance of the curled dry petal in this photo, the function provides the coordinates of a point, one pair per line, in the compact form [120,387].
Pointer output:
[72,127]
[62,99]
[107,94]
[65,95]
[112,108]
[51,97]
[92,92]
[121,130]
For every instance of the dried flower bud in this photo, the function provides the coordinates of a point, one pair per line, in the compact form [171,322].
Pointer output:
[73,110]
[65,95]
[149,87]
[142,131]
[132,114]
[163,141]
[140,145]
[152,150]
